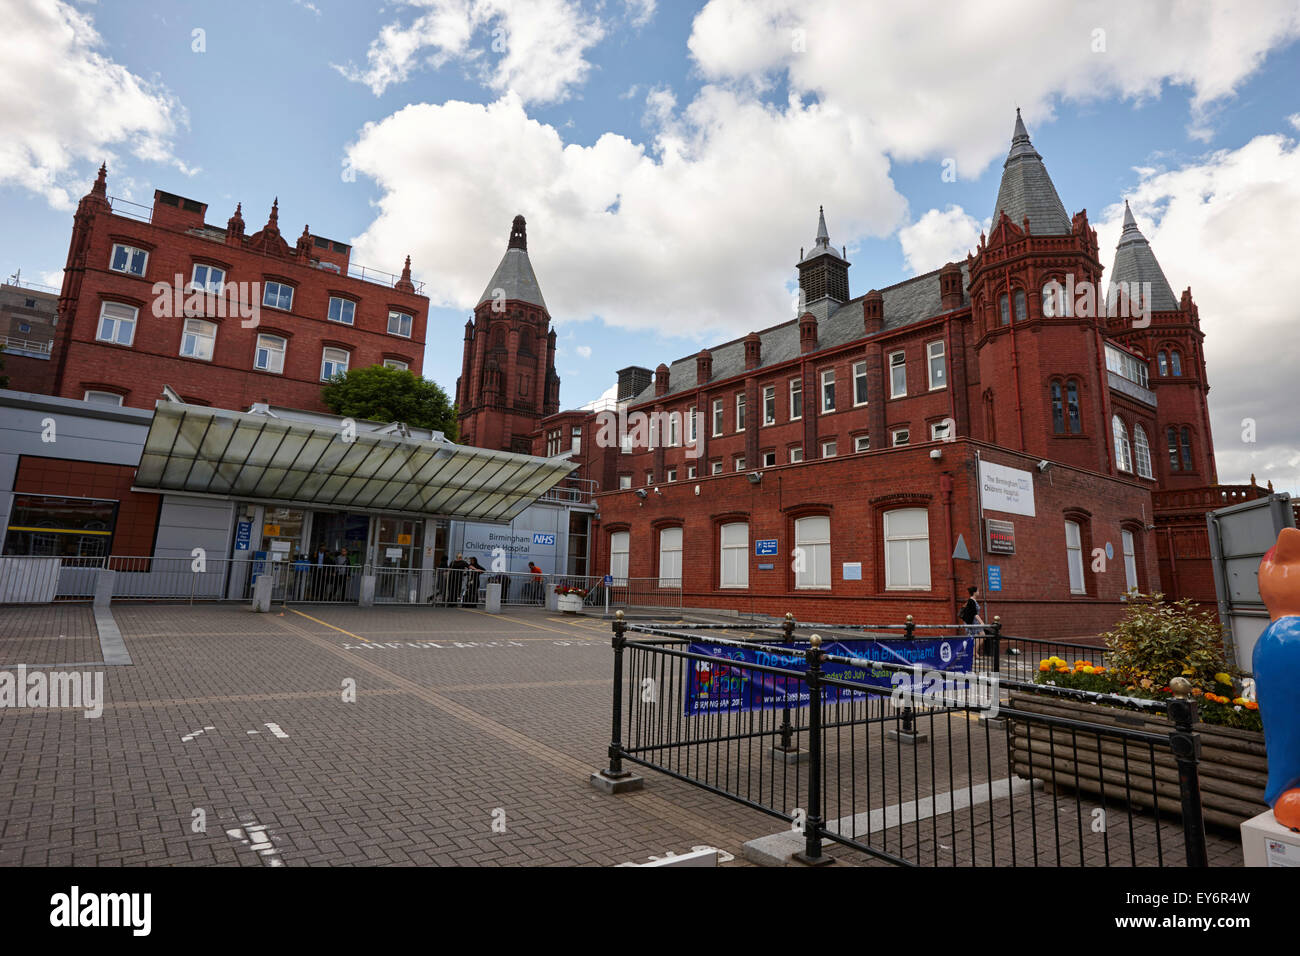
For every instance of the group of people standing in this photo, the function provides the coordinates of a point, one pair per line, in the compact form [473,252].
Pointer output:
[457,582]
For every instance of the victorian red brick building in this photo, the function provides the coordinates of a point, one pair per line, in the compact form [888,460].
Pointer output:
[1008,421]
[156,296]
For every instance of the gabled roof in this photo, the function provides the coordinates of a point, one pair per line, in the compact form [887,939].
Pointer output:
[1027,190]
[906,303]
[1135,262]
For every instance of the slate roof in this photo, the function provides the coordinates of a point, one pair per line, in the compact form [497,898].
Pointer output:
[1027,190]
[516,277]
[906,303]
[1135,262]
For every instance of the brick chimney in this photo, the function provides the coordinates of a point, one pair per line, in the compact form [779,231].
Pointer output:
[873,312]
[703,367]
[661,380]
[753,351]
[807,332]
[950,287]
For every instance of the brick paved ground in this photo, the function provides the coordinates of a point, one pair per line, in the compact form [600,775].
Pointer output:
[48,634]
[460,718]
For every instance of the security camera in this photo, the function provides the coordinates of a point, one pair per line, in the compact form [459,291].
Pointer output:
[1044,465]
[641,493]
[755,477]
[657,491]
[936,453]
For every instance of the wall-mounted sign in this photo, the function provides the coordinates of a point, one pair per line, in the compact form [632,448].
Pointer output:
[1001,536]
[403,539]
[270,530]
[766,567]
[243,534]
[852,571]
[1006,489]
[995,577]
[765,548]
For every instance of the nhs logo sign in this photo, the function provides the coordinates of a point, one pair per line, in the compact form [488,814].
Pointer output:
[547,540]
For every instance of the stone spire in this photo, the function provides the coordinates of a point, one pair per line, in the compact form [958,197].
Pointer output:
[273,222]
[823,272]
[404,284]
[1136,263]
[1026,191]
[514,277]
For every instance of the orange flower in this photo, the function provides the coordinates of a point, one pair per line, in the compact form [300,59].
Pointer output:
[1252,705]
[1063,670]
[1197,692]
[1044,666]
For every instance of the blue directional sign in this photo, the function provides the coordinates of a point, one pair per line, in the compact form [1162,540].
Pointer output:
[609,580]
[243,534]
[995,577]
[765,548]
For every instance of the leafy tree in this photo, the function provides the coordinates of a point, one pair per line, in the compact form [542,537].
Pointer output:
[384,394]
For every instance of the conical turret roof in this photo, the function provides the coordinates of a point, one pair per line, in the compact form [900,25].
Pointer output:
[822,244]
[1026,189]
[1135,262]
[514,277]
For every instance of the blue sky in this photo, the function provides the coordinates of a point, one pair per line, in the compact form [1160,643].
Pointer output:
[670,157]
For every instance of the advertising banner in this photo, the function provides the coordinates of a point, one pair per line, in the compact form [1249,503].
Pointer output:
[724,684]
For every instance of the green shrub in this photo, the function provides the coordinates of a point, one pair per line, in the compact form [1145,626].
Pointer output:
[1157,641]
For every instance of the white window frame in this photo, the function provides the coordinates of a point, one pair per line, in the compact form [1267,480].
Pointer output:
[715,468]
[739,462]
[907,553]
[624,482]
[1123,451]
[397,364]
[191,332]
[1074,557]
[118,321]
[905,432]
[130,251]
[1129,546]
[339,365]
[674,429]
[941,357]
[100,396]
[275,355]
[691,426]
[690,472]
[1142,452]
[828,390]
[812,541]
[670,557]
[343,306]
[620,547]
[769,404]
[946,425]
[740,411]
[860,396]
[670,476]
[769,459]
[280,287]
[862,443]
[901,366]
[410,323]
[718,417]
[796,399]
[733,556]
[207,285]
[796,455]
[829,448]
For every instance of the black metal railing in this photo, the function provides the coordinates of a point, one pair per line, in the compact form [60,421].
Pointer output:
[938,773]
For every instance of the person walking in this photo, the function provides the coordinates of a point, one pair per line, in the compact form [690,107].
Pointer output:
[970,615]
[473,573]
[535,586]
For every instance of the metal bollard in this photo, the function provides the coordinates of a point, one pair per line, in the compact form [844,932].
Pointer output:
[1186,746]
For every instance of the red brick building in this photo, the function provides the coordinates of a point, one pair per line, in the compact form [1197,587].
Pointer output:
[832,465]
[157,296]
[508,382]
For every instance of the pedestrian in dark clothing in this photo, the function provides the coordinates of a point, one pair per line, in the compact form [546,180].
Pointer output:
[456,580]
[472,573]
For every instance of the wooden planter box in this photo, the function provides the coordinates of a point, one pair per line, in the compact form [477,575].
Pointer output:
[1233,768]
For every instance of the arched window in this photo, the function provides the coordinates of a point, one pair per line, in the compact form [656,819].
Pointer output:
[1187,448]
[734,560]
[1072,406]
[1142,452]
[1022,311]
[812,539]
[525,342]
[1175,363]
[1058,410]
[1171,436]
[1162,362]
[670,558]
[1123,457]
[1004,310]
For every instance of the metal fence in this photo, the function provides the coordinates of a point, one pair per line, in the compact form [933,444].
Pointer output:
[906,779]
[44,580]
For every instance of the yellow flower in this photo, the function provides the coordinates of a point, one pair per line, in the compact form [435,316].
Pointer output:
[1188,670]
[1223,678]
[1088,669]
[1146,682]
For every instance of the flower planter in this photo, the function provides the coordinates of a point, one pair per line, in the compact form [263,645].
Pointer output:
[569,603]
[1233,768]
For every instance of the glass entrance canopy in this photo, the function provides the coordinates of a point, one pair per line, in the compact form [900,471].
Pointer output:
[208,451]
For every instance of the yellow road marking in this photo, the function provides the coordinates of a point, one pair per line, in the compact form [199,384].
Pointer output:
[541,627]
[331,626]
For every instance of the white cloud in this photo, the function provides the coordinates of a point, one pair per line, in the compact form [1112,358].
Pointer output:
[679,238]
[929,72]
[640,12]
[534,48]
[1228,226]
[939,237]
[64,103]
[584,351]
